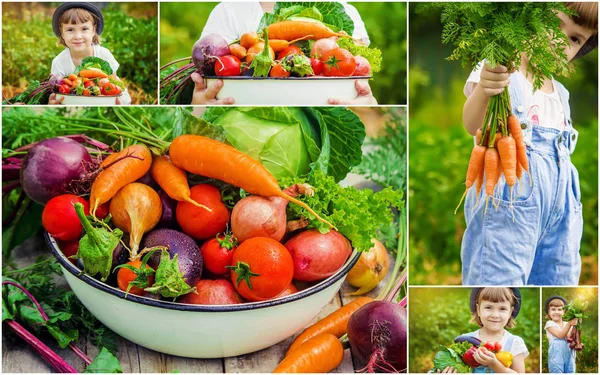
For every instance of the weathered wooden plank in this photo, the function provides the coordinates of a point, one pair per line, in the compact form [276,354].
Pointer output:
[128,355]
[151,361]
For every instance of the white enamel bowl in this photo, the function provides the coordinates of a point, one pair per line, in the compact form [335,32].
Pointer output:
[303,91]
[200,331]
[87,100]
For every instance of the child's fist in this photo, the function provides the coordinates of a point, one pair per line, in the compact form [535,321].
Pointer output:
[493,81]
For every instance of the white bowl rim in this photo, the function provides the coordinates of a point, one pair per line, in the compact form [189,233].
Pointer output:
[76,272]
[311,78]
[91,96]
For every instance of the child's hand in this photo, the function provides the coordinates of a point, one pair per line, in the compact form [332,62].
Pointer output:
[203,95]
[573,322]
[364,96]
[53,101]
[485,357]
[493,81]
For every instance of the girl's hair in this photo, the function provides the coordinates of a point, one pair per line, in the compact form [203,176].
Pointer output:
[587,16]
[554,303]
[75,16]
[496,295]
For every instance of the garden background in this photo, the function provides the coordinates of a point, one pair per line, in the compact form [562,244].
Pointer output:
[181,25]
[130,33]
[438,315]
[440,149]
[587,359]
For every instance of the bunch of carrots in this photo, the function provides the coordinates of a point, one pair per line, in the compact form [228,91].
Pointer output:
[499,149]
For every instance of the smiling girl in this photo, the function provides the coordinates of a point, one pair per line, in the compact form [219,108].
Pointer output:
[561,358]
[78,26]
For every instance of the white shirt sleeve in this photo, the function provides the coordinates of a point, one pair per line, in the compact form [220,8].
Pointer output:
[519,347]
[360,31]
[231,20]
[62,64]
[473,80]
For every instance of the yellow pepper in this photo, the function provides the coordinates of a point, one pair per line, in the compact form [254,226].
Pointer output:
[505,358]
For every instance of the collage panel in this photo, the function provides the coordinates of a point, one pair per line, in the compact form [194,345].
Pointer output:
[79,53]
[570,330]
[479,330]
[319,53]
[140,211]
[538,223]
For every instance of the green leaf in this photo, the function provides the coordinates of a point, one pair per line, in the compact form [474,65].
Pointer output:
[262,61]
[446,357]
[169,281]
[94,62]
[333,14]
[373,55]
[104,363]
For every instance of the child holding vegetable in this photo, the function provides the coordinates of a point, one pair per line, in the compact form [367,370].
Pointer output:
[533,234]
[78,26]
[561,358]
[231,20]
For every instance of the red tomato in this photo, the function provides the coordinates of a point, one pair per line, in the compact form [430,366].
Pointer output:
[199,223]
[88,83]
[489,345]
[278,71]
[289,49]
[69,248]
[227,66]
[64,89]
[60,219]
[86,92]
[317,66]
[338,62]
[109,89]
[263,269]
[217,253]
[125,276]
[497,346]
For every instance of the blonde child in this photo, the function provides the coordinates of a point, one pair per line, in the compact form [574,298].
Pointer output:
[534,236]
[561,358]
[79,25]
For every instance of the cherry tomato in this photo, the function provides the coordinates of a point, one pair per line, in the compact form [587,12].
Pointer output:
[338,62]
[109,89]
[262,269]
[497,346]
[278,71]
[489,345]
[317,66]
[289,49]
[64,89]
[217,253]
[60,219]
[69,248]
[88,83]
[125,276]
[199,223]
[227,66]
[86,92]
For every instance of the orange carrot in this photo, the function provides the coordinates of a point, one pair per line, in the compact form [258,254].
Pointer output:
[238,51]
[491,170]
[92,73]
[172,180]
[507,151]
[335,323]
[249,39]
[290,30]
[280,44]
[497,138]
[478,135]
[475,165]
[515,130]
[136,161]
[519,171]
[320,354]
[210,158]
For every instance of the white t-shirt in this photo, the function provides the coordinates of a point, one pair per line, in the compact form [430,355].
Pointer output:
[541,108]
[232,19]
[518,345]
[551,323]
[63,65]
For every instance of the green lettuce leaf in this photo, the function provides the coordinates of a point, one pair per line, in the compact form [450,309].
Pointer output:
[447,357]
[332,14]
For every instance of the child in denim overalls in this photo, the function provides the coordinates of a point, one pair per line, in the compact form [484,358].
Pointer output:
[561,358]
[541,245]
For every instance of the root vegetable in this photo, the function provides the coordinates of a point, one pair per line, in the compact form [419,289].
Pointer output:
[371,268]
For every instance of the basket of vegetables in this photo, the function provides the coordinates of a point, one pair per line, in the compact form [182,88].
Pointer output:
[309,56]
[228,252]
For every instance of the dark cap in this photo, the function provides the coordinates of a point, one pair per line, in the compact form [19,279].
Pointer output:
[87,6]
[549,299]
[516,292]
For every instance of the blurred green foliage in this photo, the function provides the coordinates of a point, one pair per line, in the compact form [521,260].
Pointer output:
[438,315]
[181,25]
[440,149]
[587,359]
[130,33]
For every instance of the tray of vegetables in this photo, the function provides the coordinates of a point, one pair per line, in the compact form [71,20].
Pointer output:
[197,235]
[459,355]
[310,56]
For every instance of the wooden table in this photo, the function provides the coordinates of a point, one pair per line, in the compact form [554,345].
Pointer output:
[19,357]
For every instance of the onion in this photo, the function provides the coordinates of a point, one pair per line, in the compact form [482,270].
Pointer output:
[371,268]
[206,51]
[50,166]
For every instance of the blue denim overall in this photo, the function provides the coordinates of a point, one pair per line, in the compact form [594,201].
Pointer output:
[561,358]
[507,348]
[541,246]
